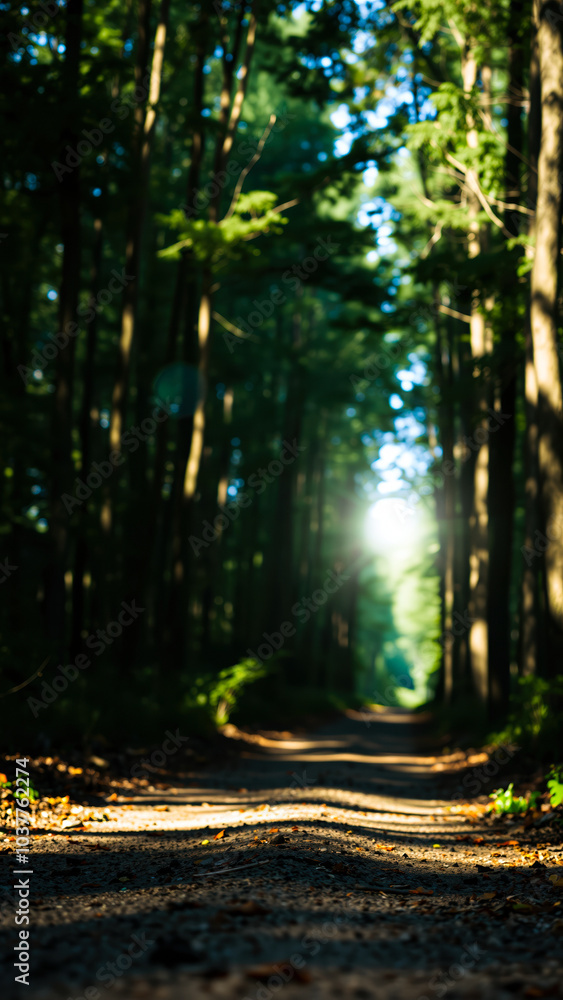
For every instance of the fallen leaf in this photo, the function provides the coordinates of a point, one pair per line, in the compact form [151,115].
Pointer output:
[162,809]
[273,969]
[422,892]
[204,842]
[556,881]
[294,828]
[219,835]
[508,843]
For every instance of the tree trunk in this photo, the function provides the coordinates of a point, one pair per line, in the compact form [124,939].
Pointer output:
[543,307]
[222,153]
[447,527]
[190,452]
[479,520]
[461,359]
[68,304]
[501,489]
[529,596]
[81,550]
[185,293]
[145,121]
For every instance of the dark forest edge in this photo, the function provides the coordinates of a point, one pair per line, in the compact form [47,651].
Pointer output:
[217,305]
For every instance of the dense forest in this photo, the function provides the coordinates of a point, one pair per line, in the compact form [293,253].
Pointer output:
[281,415]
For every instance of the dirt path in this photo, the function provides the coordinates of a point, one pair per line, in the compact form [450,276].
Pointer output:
[342,872]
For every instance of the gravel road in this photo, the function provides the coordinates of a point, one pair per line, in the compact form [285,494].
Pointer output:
[338,863]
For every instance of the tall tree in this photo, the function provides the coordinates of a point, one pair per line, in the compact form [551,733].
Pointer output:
[543,309]
[68,304]
[501,484]
[143,137]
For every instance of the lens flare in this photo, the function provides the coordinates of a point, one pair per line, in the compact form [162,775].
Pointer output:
[391,524]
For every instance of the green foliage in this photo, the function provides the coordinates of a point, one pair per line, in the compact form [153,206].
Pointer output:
[535,718]
[221,693]
[555,786]
[29,792]
[252,216]
[309,357]
[506,803]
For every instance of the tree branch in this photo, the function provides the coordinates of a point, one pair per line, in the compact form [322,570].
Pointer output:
[244,173]
[414,38]
[454,313]
[232,328]
[473,183]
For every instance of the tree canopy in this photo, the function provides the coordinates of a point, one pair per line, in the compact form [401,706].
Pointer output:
[281,417]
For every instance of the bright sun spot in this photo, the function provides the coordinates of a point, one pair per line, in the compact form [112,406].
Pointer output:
[391,524]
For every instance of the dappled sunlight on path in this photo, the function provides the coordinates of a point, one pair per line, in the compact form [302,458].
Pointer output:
[339,856]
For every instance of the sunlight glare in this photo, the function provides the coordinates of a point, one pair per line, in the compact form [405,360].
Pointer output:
[391,524]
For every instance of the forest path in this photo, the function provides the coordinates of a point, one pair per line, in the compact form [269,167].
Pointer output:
[343,871]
